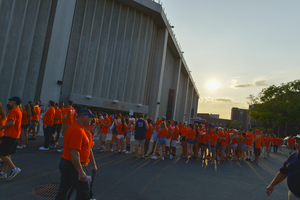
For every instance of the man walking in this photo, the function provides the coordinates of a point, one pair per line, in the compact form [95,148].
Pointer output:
[140,128]
[9,141]
[76,152]
[48,122]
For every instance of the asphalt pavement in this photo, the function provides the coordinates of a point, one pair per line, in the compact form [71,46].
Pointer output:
[126,177]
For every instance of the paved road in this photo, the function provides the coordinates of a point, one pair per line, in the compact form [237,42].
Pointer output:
[125,177]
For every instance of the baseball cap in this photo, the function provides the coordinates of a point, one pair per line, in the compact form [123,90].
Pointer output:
[85,111]
[163,117]
[104,114]
[297,136]
[15,98]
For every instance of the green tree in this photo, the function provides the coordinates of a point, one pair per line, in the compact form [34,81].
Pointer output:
[277,105]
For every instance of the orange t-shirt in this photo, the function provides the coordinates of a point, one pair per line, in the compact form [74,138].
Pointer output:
[249,142]
[58,114]
[76,138]
[225,142]
[258,142]
[291,141]
[184,132]
[220,135]
[204,137]
[36,117]
[280,141]
[275,141]
[149,132]
[2,123]
[119,128]
[71,113]
[105,129]
[170,130]
[49,117]
[191,134]
[15,130]
[158,123]
[25,118]
[163,133]
[180,127]
[213,139]
[267,142]
[176,133]
[235,139]
[91,142]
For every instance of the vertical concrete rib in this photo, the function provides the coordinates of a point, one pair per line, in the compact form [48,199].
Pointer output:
[88,47]
[162,68]
[122,50]
[191,104]
[177,88]
[106,45]
[130,52]
[136,57]
[113,56]
[97,52]
[144,65]
[78,50]
[18,49]
[186,99]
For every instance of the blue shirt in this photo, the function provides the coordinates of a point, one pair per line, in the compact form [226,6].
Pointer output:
[140,129]
[291,168]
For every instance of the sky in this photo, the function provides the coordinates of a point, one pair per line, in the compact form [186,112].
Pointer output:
[236,48]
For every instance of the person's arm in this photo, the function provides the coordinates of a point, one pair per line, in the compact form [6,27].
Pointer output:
[9,124]
[76,162]
[278,179]
[93,162]
[147,126]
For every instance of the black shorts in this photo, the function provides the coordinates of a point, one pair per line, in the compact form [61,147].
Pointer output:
[8,146]
[183,139]
[257,151]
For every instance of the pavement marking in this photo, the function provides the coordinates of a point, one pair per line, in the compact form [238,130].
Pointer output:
[177,159]
[238,163]
[156,176]
[256,172]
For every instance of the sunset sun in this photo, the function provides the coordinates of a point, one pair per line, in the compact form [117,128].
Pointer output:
[213,86]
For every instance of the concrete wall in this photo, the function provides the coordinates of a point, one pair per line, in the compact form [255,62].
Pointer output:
[23,39]
[114,54]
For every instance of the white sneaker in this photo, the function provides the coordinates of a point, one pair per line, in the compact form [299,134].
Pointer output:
[19,147]
[60,150]
[3,175]
[154,157]
[43,149]
[162,158]
[171,157]
[127,152]
[14,173]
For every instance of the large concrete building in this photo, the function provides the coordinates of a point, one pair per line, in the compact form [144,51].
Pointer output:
[114,55]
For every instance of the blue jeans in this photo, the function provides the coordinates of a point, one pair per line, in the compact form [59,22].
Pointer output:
[69,180]
[275,148]
[47,134]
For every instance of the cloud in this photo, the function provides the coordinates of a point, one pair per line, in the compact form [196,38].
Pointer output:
[261,83]
[219,100]
[225,100]
[253,85]
[244,86]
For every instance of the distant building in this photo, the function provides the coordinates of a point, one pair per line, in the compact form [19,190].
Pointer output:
[213,119]
[240,115]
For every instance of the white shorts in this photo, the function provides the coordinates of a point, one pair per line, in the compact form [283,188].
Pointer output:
[120,137]
[168,142]
[103,137]
[173,143]
[139,142]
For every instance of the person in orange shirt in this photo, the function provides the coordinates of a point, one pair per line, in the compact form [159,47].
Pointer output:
[148,136]
[2,122]
[275,143]
[267,142]
[213,142]
[121,128]
[26,114]
[35,120]
[190,138]
[105,124]
[174,139]
[129,129]
[291,143]
[77,150]
[224,141]
[280,144]
[249,144]
[257,147]
[197,141]
[169,137]
[183,139]
[162,135]
[48,122]
[155,136]
[56,126]
[234,144]
[10,139]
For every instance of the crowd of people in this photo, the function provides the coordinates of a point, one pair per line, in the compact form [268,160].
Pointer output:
[196,140]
